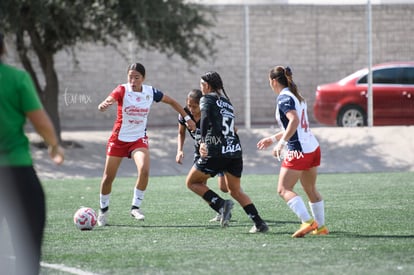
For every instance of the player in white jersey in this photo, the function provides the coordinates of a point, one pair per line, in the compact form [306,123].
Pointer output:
[300,152]
[129,138]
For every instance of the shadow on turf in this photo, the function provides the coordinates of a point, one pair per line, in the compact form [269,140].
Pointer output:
[356,235]
[233,223]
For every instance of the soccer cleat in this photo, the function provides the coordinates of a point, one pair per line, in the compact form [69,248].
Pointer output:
[305,228]
[103,218]
[323,230]
[226,213]
[263,228]
[137,214]
[217,218]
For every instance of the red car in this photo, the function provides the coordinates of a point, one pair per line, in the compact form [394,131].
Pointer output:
[344,103]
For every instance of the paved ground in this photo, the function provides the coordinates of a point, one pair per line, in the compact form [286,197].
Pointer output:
[377,149]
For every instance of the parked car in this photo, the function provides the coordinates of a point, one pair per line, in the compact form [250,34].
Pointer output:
[344,103]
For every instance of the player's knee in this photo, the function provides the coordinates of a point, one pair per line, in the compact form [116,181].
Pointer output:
[281,191]
[143,172]
[107,179]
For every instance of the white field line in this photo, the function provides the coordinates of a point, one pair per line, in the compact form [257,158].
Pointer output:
[67,269]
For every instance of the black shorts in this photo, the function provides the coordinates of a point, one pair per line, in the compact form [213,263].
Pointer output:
[23,199]
[213,166]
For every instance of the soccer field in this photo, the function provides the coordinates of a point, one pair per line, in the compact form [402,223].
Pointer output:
[370,217]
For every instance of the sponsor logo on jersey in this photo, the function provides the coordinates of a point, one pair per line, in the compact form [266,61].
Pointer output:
[135,111]
[224,104]
[226,113]
[230,148]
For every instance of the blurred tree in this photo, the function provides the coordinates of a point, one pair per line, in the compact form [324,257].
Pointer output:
[48,26]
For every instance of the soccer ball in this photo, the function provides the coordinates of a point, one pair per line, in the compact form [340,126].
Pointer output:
[85,218]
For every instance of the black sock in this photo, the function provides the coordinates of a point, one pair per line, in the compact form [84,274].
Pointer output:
[103,210]
[214,200]
[134,207]
[251,211]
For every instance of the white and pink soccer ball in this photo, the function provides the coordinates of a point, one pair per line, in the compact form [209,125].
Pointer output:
[85,218]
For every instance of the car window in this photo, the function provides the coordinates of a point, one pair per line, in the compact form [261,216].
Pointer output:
[382,76]
[407,76]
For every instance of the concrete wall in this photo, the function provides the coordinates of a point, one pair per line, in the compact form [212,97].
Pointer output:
[320,43]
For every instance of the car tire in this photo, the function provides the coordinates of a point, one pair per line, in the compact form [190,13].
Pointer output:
[352,116]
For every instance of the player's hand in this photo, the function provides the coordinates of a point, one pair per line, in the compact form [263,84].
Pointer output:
[190,125]
[179,157]
[264,143]
[104,105]
[203,150]
[57,154]
[279,150]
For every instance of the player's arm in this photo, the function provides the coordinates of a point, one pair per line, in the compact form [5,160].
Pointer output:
[204,124]
[267,141]
[292,126]
[176,106]
[180,143]
[44,127]
[106,103]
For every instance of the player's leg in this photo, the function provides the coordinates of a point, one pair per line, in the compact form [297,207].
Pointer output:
[235,190]
[196,182]
[23,205]
[34,208]
[221,181]
[287,181]
[223,187]
[141,158]
[111,167]
[308,181]
[316,203]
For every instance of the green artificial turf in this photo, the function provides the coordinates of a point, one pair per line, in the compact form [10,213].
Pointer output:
[370,217]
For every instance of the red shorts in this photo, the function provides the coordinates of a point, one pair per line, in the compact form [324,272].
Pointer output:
[118,148]
[300,161]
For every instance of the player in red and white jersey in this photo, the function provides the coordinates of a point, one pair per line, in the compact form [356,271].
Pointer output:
[129,138]
[300,152]
[133,110]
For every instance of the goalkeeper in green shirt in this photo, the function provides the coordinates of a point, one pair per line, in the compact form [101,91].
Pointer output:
[22,200]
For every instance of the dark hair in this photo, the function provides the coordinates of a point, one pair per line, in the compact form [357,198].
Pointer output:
[284,77]
[214,80]
[2,49]
[195,94]
[137,67]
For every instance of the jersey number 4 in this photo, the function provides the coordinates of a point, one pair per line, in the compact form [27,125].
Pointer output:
[303,121]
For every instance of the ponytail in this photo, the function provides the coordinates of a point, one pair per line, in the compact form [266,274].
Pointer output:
[284,77]
[214,80]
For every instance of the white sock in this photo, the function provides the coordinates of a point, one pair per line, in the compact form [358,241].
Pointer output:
[104,200]
[299,208]
[318,212]
[138,197]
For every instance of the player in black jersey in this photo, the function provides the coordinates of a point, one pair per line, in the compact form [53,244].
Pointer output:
[192,108]
[220,150]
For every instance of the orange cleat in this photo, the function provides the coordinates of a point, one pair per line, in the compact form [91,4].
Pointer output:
[323,230]
[305,228]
